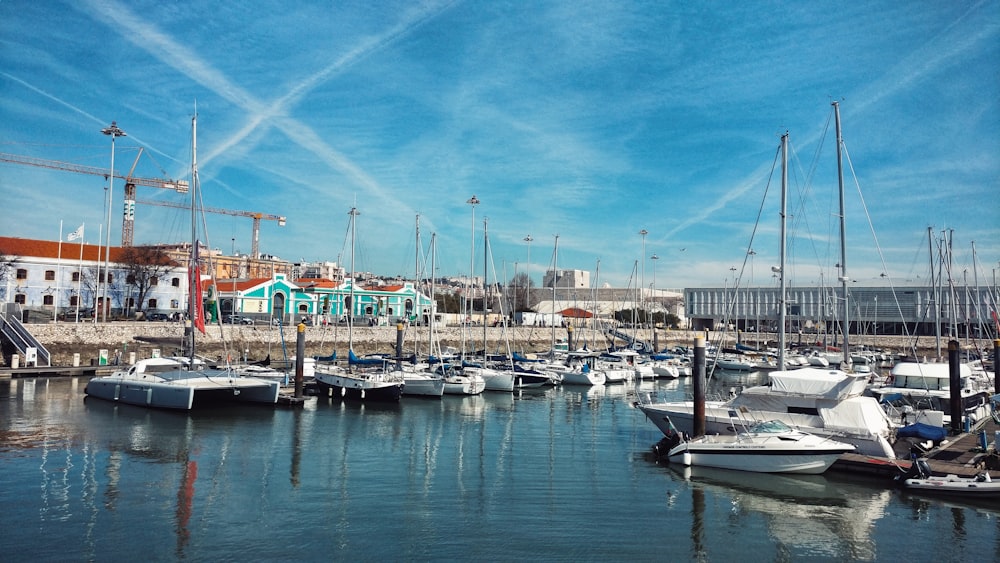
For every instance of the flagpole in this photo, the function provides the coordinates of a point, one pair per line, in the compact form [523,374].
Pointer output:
[97,280]
[79,293]
[55,313]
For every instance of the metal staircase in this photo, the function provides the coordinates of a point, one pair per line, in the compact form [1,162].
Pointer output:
[14,332]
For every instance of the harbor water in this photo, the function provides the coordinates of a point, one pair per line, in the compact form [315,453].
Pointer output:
[555,474]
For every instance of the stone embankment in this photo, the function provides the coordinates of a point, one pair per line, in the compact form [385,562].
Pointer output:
[63,340]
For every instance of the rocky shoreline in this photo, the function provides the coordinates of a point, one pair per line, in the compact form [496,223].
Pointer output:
[63,340]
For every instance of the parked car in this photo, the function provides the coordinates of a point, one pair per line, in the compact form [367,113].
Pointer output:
[236,320]
[157,317]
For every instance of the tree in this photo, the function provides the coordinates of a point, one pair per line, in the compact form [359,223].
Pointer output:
[7,263]
[448,303]
[143,266]
[519,292]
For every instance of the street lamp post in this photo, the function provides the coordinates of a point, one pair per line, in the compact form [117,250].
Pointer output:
[113,131]
[473,202]
[642,275]
[527,271]
[654,258]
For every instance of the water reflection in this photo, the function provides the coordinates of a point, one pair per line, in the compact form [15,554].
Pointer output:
[451,479]
[805,514]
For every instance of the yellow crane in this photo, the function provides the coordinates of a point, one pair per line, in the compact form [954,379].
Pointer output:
[128,215]
[256,216]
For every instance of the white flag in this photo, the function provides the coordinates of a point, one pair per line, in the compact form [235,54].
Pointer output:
[75,234]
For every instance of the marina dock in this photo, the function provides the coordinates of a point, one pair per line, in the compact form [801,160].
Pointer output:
[961,455]
[55,371]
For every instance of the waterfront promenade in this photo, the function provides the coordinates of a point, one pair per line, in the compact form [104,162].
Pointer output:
[63,340]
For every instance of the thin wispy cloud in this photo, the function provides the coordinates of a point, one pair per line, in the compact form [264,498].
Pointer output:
[588,120]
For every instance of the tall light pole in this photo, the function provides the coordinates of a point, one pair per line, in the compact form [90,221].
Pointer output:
[654,258]
[642,275]
[473,202]
[527,271]
[113,131]
[527,268]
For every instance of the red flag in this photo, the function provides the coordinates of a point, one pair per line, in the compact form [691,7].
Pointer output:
[194,273]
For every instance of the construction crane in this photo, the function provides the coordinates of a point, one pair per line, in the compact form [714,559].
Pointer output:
[257,217]
[128,215]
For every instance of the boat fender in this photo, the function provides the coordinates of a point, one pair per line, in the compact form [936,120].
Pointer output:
[686,458]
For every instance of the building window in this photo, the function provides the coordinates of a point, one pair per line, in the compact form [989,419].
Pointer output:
[151,304]
[50,275]
[154,281]
[20,299]
[47,300]
[22,274]
[73,300]
[111,278]
[130,302]
[76,276]
[176,282]
[174,304]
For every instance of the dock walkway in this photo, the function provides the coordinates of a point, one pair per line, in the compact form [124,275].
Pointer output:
[961,455]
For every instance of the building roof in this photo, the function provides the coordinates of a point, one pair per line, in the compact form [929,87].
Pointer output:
[237,284]
[22,247]
[316,282]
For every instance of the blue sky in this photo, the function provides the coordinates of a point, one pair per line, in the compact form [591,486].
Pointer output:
[587,120]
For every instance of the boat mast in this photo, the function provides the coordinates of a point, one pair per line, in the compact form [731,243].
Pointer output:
[552,317]
[430,320]
[416,282]
[195,268]
[844,278]
[781,267]
[934,285]
[350,315]
[486,251]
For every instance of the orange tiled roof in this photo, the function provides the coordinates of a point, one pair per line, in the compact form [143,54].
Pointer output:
[316,282]
[23,247]
[237,285]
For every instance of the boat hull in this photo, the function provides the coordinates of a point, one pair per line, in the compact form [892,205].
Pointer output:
[583,378]
[423,386]
[717,421]
[350,387]
[183,394]
[464,385]
[954,486]
[758,459]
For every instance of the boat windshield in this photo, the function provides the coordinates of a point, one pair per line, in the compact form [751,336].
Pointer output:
[770,427]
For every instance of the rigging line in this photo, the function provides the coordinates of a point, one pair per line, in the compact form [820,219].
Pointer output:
[878,247]
[730,306]
[803,194]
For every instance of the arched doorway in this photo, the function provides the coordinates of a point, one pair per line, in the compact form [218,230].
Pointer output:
[278,307]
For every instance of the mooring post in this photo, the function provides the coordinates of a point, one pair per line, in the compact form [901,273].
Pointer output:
[996,362]
[955,378]
[300,355]
[699,386]
[399,346]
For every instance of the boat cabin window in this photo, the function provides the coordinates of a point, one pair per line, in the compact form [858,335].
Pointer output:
[770,426]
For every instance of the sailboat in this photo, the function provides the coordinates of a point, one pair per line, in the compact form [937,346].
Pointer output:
[368,379]
[419,379]
[827,402]
[182,383]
